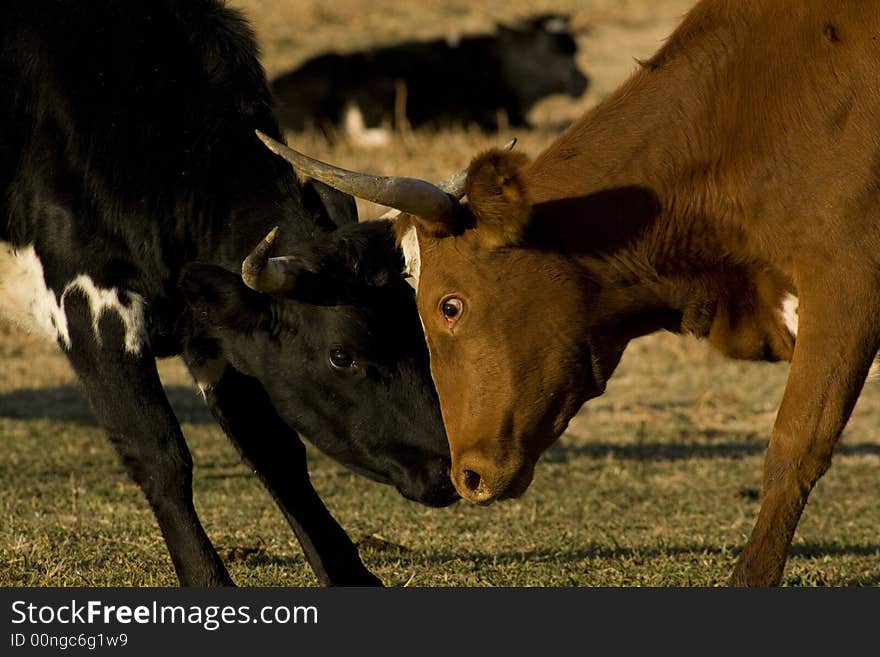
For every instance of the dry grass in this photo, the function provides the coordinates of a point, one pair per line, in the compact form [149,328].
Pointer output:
[656,483]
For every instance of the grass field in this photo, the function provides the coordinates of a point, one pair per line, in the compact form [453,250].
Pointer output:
[657,483]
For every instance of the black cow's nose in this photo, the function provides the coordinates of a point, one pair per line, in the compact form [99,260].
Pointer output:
[446,493]
[432,487]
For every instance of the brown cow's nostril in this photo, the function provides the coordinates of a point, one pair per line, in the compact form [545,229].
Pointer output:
[471,480]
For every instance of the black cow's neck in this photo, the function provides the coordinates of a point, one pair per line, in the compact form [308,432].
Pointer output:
[245,214]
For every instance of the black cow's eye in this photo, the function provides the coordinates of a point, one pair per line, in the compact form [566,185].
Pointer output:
[451,308]
[340,358]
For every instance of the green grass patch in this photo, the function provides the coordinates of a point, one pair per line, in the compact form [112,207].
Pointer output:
[655,484]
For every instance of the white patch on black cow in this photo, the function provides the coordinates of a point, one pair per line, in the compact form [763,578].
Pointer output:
[556,25]
[25,300]
[359,133]
[102,300]
[24,297]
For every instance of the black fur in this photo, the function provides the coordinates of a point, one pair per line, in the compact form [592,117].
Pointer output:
[128,154]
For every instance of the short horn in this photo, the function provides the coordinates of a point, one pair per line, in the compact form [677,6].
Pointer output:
[454,185]
[410,195]
[264,274]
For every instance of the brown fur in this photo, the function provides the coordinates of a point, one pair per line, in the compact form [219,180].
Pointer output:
[498,197]
[739,165]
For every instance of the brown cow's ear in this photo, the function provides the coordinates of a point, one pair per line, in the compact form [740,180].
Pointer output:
[498,197]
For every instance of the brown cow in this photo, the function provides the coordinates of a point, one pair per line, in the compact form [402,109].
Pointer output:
[736,173]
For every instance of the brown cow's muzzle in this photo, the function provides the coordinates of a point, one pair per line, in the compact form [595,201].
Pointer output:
[482,480]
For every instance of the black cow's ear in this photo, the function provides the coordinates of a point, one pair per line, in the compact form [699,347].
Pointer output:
[220,299]
[332,208]
[360,253]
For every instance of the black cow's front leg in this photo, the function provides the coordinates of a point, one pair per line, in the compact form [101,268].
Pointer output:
[278,456]
[120,379]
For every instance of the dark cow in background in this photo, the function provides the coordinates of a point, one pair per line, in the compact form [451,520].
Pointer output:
[447,82]
[132,188]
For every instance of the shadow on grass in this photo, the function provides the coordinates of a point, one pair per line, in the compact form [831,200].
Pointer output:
[747,445]
[67,404]
[591,551]
[594,550]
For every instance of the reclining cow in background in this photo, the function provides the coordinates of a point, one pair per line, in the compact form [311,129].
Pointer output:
[132,188]
[731,182]
[446,82]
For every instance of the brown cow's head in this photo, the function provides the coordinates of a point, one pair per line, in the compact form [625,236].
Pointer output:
[510,374]
[506,322]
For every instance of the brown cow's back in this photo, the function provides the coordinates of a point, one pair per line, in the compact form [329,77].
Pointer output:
[726,122]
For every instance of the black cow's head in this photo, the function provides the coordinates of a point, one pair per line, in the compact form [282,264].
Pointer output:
[330,329]
[538,58]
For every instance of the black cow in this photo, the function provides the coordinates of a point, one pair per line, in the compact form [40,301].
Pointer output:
[132,187]
[447,82]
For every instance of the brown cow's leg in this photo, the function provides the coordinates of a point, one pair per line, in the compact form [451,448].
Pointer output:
[836,343]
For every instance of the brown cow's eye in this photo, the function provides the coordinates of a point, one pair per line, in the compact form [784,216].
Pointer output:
[451,308]
[341,359]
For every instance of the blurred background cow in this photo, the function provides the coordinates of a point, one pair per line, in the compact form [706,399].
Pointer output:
[491,80]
